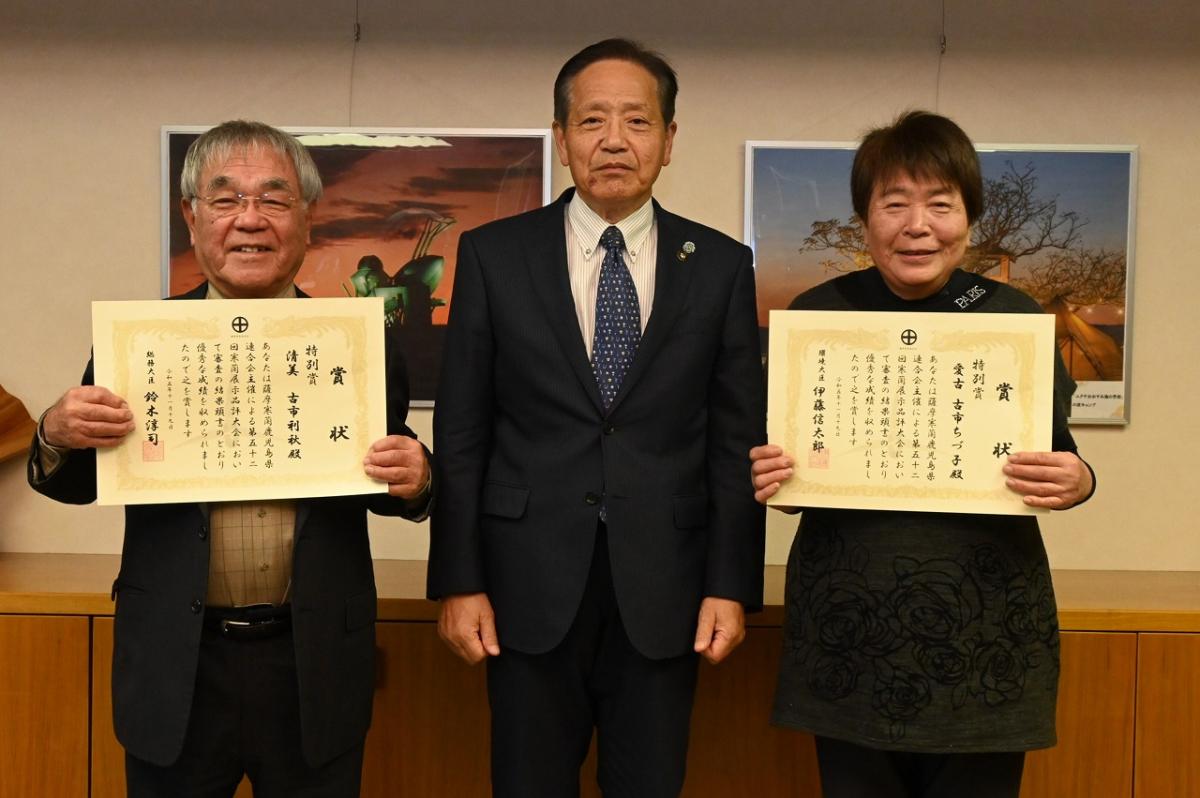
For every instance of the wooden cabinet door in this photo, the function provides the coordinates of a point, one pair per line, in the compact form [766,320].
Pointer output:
[43,706]
[430,736]
[429,731]
[1168,716]
[734,751]
[1094,755]
[108,757]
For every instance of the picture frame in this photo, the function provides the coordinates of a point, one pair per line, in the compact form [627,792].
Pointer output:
[395,202]
[1058,222]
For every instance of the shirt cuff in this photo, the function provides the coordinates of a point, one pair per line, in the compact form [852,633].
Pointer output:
[419,506]
[49,457]
[1091,471]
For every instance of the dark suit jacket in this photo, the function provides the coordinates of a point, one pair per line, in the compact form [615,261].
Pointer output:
[525,450]
[164,578]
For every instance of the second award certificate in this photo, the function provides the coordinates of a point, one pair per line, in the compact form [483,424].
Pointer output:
[900,411]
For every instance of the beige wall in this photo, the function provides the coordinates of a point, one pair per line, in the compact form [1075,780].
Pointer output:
[85,86]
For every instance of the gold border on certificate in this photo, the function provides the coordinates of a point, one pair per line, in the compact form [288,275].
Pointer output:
[237,400]
[908,411]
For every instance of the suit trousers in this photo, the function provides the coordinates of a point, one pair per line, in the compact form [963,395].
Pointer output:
[855,771]
[546,706]
[245,719]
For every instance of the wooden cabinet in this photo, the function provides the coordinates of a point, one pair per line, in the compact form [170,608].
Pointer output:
[430,732]
[429,729]
[1094,755]
[108,757]
[1128,710]
[43,706]
[734,751]
[1168,716]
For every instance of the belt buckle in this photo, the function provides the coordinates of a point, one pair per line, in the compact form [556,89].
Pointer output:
[235,629]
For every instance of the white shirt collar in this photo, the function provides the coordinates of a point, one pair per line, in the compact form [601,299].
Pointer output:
[588,225]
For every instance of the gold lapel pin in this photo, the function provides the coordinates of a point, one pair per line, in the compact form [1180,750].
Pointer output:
[687,249]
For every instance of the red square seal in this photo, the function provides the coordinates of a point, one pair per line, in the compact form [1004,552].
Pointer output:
[819,459]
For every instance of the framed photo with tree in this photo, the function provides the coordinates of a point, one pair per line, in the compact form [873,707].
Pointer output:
[1058,222]
[394,204]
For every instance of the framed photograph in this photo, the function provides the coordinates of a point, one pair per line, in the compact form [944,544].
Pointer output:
[1058,223]
[395,203]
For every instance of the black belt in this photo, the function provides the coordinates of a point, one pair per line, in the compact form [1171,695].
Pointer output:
[255,622]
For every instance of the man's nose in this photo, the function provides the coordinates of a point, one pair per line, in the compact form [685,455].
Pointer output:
[614,135]
[250,217]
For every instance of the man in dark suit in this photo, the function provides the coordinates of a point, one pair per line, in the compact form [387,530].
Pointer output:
[245,636]
[602,384]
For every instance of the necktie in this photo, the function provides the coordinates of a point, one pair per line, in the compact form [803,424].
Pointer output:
[618,320]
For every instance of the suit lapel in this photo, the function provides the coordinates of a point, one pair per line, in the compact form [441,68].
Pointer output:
[546,259]
[199,292]
[672,277]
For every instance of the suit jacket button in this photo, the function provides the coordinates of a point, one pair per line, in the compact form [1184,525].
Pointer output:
[203,532]
[609,429]
[197,605]
[591,498]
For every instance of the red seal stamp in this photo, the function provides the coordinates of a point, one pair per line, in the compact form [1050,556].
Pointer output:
[153,452]
[819,459]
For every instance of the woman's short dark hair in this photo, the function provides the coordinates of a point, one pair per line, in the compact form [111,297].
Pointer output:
[616,50]
[921,144]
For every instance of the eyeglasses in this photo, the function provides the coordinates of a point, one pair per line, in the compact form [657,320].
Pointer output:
[269,203]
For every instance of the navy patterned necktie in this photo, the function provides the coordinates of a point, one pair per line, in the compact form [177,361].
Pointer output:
[618,320]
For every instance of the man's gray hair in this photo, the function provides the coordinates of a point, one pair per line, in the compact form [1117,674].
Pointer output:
[225,139]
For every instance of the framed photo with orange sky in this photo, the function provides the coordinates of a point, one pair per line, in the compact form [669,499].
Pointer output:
[1058,222]
[395,202]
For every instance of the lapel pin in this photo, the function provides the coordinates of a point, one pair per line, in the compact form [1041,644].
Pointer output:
[687,249]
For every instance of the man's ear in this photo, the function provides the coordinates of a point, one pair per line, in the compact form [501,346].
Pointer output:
[189,216]
[671,128]
[560,143]
[308,215]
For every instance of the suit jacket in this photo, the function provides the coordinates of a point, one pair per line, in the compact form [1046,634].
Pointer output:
[526,452]
[163,581]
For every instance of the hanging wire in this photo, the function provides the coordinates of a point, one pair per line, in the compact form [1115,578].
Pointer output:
[353,63]
[937,91]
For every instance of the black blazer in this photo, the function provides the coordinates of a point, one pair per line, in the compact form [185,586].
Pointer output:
[163,580]
[525,450]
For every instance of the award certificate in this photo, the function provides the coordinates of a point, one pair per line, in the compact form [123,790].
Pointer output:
[236,400]
[908,411]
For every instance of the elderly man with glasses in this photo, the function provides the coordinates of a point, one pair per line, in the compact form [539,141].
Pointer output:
[221,670]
